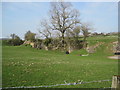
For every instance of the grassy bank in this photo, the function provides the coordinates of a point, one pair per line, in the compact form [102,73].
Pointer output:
[26,66]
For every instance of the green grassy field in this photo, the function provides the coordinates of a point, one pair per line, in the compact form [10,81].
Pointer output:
[26,66]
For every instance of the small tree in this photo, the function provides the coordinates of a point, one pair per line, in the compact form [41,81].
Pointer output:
[85,28]
[15,40]
[72,38]
[13,36]
[30,36]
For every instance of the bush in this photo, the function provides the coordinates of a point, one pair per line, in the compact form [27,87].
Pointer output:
[47,41]
[5,43]
[14,42]
[30,36]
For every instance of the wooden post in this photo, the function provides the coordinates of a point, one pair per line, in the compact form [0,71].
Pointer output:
[116,82]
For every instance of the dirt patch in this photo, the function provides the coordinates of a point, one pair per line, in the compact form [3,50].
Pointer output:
[115,57]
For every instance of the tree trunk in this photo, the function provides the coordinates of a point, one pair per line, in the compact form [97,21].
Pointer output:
[85,44]
[63,41]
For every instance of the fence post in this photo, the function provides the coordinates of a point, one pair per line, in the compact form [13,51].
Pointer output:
[116,81]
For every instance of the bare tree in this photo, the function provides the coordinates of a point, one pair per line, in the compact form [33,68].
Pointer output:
[73,35]
[85,28]
[72,38]
[75,32]
[63,17]
[14,36]
[45,29]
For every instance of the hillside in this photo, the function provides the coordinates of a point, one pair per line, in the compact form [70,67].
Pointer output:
[26,66]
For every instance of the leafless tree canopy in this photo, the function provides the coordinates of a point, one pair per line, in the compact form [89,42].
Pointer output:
[45,29]
[85,28]
[63,17]
[63,24]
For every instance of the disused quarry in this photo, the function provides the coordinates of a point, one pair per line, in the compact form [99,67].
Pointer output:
[26,66]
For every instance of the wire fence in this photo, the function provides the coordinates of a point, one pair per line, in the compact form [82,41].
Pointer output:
[75,83]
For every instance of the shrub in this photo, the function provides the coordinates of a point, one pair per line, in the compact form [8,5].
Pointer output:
[47,41]
[15,42]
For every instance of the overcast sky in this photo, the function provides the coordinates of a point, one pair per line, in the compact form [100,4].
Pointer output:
[20,17]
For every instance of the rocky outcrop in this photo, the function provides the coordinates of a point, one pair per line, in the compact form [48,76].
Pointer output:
[116,46]
[30,43]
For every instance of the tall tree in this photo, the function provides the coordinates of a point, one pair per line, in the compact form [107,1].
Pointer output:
[63,17]
[85,28]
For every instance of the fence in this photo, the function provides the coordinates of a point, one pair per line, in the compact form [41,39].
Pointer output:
[75,83]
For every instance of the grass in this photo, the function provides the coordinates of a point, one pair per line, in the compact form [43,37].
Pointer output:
[26,66]
[106,39]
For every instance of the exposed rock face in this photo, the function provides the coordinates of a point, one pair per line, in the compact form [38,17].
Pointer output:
[90,49]
[26,42]
[45,47]
[116,47]
[34,45]
[70,49]
[30,43]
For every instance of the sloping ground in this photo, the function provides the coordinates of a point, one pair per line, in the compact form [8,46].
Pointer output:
[25,66]
[115,48]
[105,45]
[92,49]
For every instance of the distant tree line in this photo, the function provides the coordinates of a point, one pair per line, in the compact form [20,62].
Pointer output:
[13,41]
